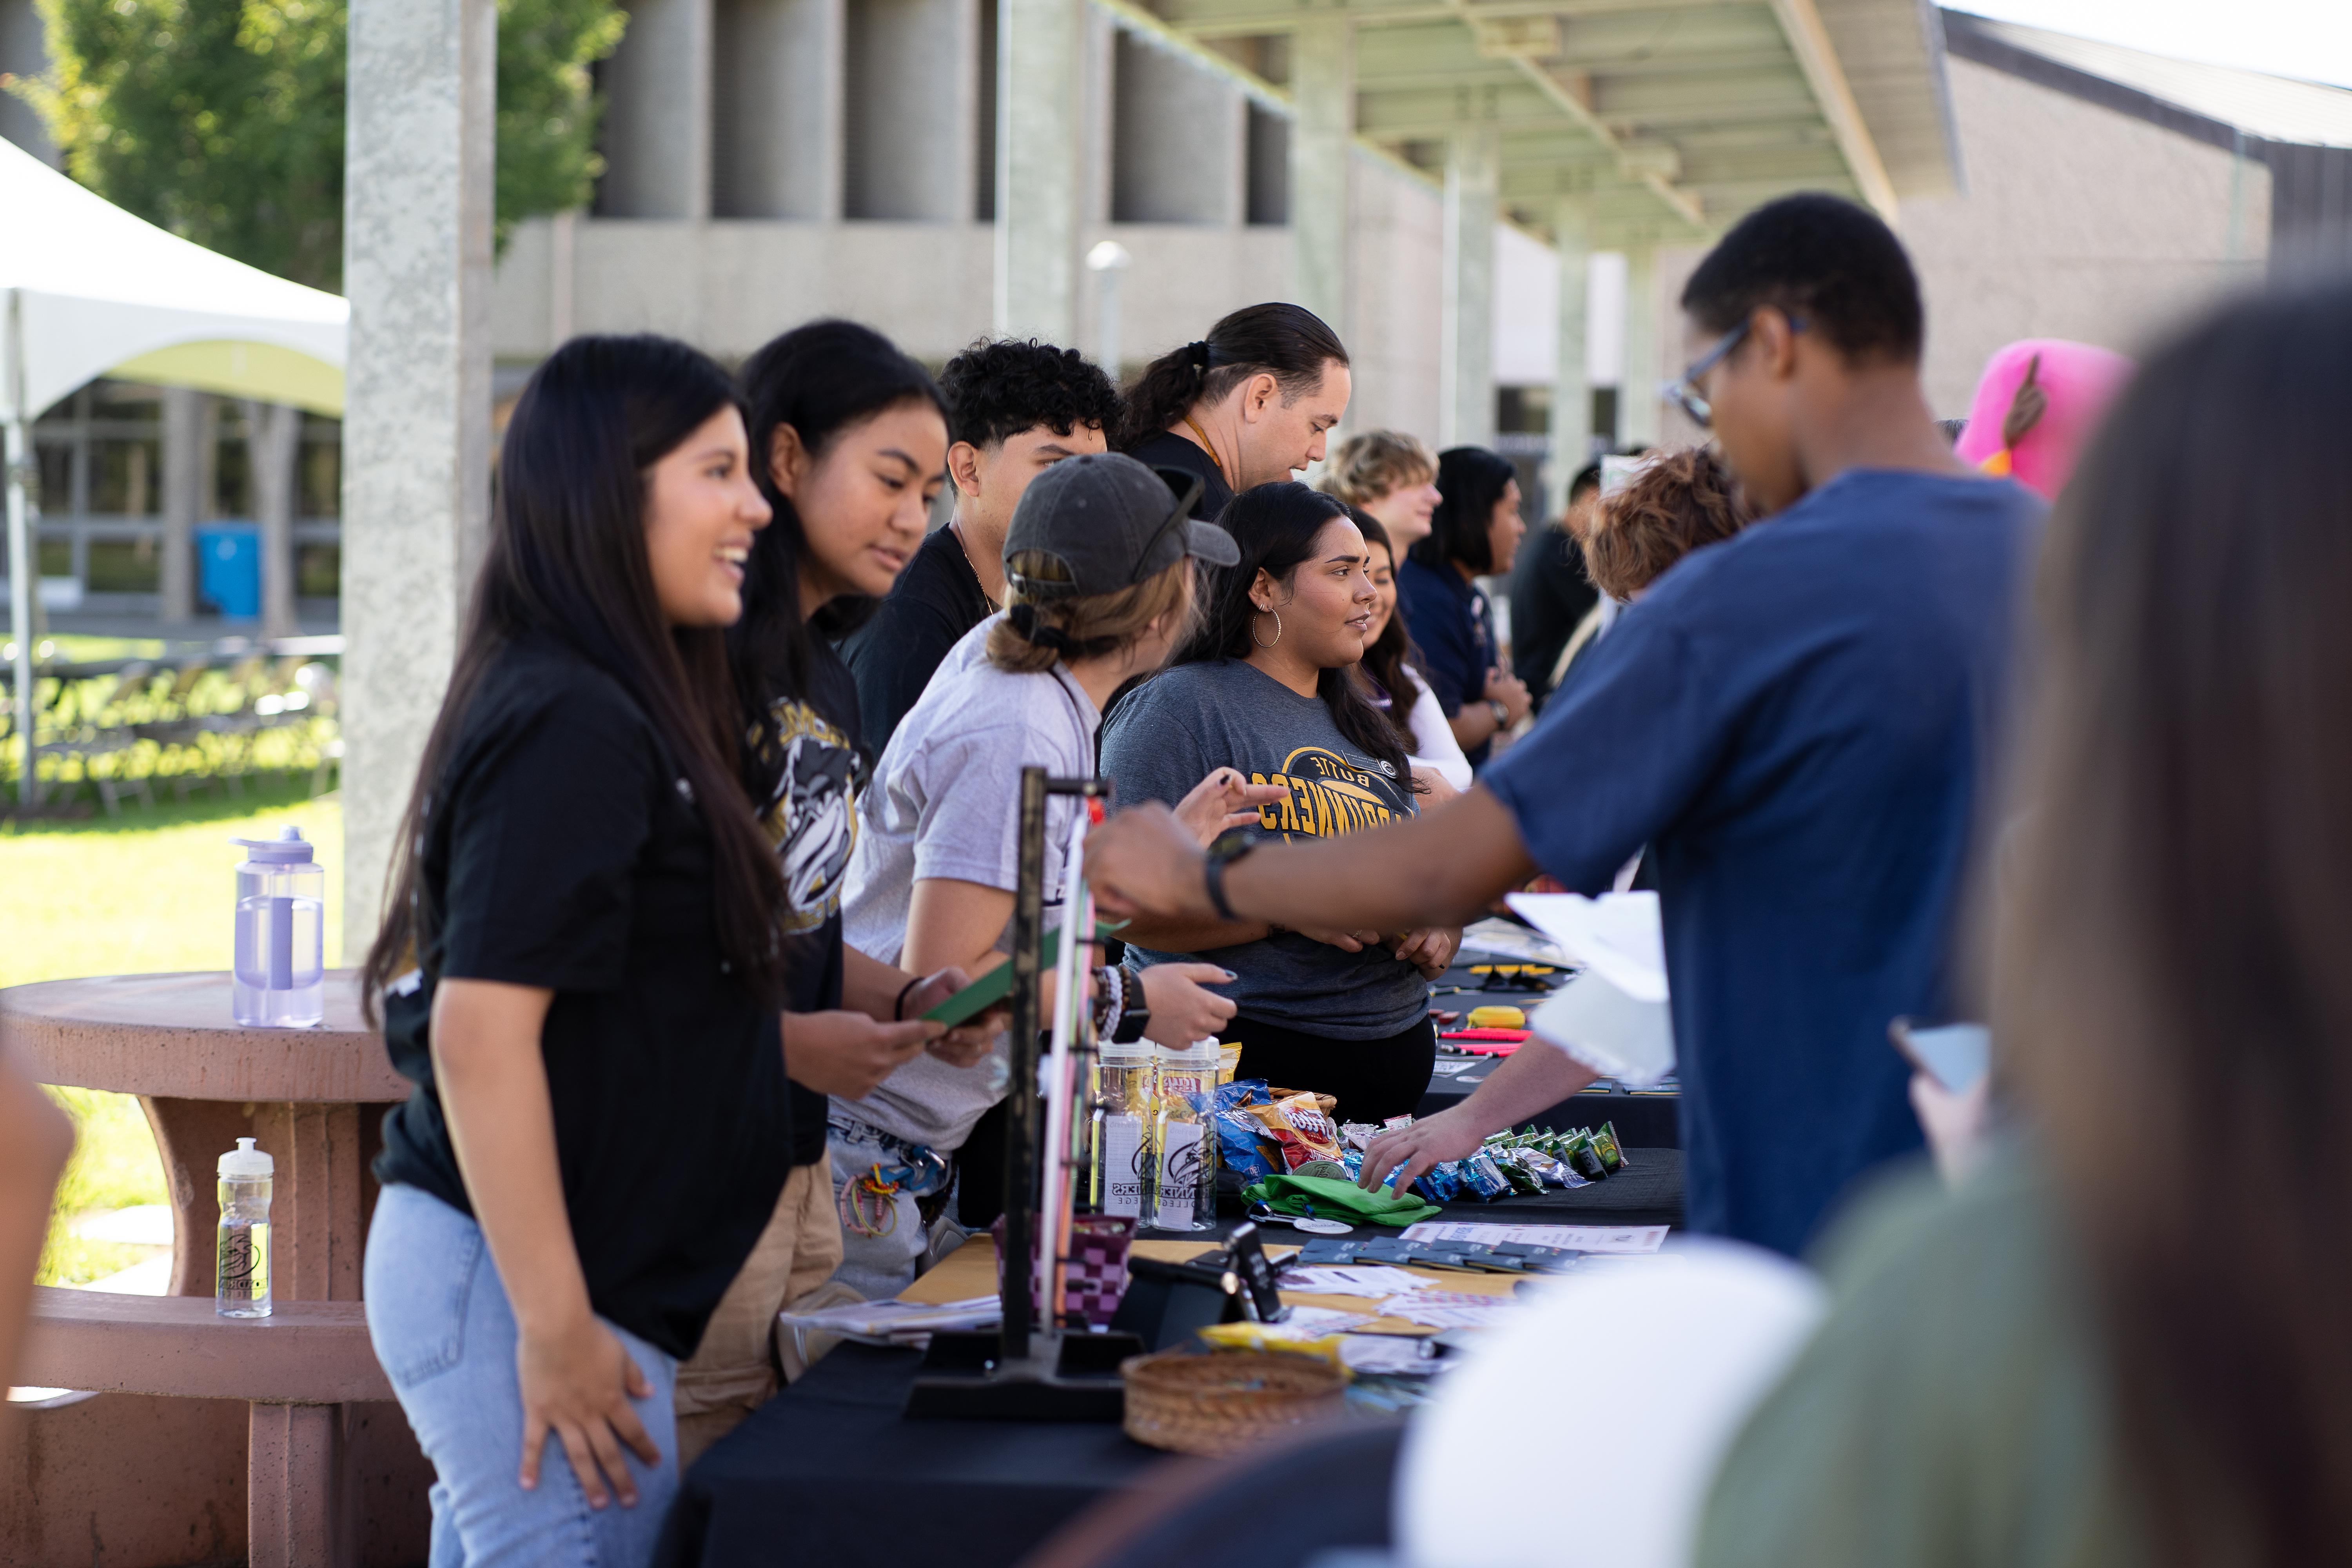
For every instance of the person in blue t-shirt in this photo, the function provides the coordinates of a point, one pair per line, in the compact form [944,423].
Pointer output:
[1797,722]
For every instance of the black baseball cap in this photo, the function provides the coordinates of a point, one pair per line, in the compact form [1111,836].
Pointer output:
[1110,522]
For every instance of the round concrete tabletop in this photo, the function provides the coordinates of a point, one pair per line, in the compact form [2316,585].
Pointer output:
[172,1035]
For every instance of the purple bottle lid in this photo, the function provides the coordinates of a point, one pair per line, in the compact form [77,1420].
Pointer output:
[289,849]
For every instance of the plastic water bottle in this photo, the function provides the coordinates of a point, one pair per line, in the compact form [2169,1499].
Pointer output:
[1184,1190]
[1122,1112]
[241,1257]
[281,976]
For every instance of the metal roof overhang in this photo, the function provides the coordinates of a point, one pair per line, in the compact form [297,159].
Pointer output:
[1669,119]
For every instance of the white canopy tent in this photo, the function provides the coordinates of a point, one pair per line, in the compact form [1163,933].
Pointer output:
[90,290]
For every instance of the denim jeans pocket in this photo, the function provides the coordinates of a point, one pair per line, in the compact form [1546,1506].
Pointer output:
[422,1261]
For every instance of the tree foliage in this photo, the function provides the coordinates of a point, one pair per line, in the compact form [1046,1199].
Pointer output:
[222,119]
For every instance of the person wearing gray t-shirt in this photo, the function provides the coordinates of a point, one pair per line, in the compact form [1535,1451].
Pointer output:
[1262,688]
[1099,560]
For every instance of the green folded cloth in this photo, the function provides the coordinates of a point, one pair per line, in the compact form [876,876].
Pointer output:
[1338,1199]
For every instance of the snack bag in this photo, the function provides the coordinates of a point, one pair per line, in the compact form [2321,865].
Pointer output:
[1357,1135]
[1523,1179]
[1240,1149]
[1229,1061]
[1440,1183]
[1238,1092]
[1605,1144]
[1299,1126]
[1585,1159]
[1481,1179]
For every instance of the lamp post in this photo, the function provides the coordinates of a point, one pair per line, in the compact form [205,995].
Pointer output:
[1106,261]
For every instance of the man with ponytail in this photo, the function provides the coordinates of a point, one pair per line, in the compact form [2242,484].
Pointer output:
[1249,405]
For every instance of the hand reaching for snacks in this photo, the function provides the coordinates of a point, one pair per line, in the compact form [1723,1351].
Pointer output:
[1430,1141]
[1222,801]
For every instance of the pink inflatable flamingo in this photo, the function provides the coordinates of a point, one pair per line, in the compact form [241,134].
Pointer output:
[2036,404]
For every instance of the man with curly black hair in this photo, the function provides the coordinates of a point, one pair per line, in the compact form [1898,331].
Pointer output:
[1014,409]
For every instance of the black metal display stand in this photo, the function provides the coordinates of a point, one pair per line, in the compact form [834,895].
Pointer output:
[1026,1370]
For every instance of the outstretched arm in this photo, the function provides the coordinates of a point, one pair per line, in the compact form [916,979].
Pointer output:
[1438,869]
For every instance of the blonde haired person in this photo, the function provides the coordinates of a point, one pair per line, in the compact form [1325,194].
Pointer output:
[1099,563]
[1392,477]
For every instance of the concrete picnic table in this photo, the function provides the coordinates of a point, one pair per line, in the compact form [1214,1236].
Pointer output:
[314,1100]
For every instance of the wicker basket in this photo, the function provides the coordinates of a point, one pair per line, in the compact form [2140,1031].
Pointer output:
[1327,1103]
[1227,1400]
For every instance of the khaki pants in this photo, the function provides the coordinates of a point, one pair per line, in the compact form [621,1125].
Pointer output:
[733,1372]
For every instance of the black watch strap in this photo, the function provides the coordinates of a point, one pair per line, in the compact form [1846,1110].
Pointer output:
[1222,854]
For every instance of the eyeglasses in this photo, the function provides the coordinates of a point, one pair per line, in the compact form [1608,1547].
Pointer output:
[1687,394]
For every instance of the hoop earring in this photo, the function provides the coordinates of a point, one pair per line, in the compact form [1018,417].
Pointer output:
[1278,629]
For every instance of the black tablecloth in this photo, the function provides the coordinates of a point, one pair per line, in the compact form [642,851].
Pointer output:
[829,1475]
[1651,1121]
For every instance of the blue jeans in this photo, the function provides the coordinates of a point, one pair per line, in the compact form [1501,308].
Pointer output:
[445,1336]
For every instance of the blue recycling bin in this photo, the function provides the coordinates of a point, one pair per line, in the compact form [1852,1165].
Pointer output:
[228,568]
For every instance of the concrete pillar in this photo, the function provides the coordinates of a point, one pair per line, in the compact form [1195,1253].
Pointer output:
[913,83]
[1180,140]
[1322,136]
[1099,39]
[1637,388]
[1465,366]
[184,480]
[657,113]
[416,426]
[273,439]
[1040,167]
[779,95]
[1571,398]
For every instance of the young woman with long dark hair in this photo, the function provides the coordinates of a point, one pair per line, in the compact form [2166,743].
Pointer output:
[2068,1359]
[1249,405]
[1474,532]
[1267,687]
[1395,687]
[851,444]
[578,969]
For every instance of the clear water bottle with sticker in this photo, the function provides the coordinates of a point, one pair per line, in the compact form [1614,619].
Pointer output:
[241,1255]
[1184,1185]
[1120,1122]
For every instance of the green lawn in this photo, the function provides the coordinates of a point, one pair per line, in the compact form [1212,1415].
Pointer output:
[146,891]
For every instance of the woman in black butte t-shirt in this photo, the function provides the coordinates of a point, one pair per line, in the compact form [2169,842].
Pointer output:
[578,971]
[854,440]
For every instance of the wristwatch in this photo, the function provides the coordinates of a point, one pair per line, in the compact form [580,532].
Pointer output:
[1502,714]
[1227,849]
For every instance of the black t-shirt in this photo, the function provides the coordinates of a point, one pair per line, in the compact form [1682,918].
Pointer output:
[810,815]
[1550,596]
[1169,450]
[893,656]
[561,849]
